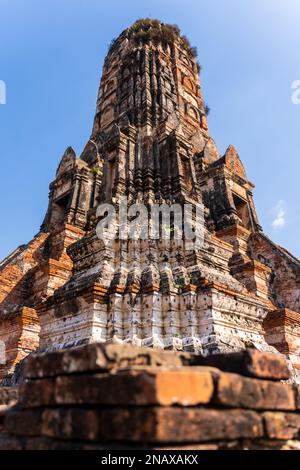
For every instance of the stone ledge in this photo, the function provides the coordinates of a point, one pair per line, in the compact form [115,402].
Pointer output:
[95,357]
[106,357]
[249,362]
[188,386]
[151,424]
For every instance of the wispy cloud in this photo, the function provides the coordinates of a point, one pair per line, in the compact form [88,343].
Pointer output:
[280,215]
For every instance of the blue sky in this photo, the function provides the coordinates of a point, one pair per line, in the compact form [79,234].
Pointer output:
[51,55]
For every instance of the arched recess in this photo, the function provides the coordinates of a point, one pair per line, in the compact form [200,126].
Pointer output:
[192,112]
[188,84]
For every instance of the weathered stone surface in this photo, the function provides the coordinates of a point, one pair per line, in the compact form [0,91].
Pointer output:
[102,357]
[250,362]
[161,387]
[259,444]
[44,443]
[37,393]
[282,425]
[159,424]
[8,397]
[23,423]
[72,424]
[237,391]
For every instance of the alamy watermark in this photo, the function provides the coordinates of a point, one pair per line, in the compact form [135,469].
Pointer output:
[296,93]
[2,92]
[151,222]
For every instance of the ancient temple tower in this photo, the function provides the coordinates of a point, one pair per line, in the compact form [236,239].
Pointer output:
[150,144]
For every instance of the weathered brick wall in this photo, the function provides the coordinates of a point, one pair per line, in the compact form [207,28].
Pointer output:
[28,276]
[285,271]
[8,399]
[112,396]
[14,268]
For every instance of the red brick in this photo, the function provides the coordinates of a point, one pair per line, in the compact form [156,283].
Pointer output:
[8,396]
[99,357]
[249,362]
[237,391]
[282,425]
[158,424]
[37,393]
[71,424]
[186,386]
[23,423]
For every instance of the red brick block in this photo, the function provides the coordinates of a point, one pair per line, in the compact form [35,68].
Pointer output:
[99,357]
[250,362]
[8,396]
[71,424]
[37,393]
[242,392]
[282,425]
[187,387]
[23,423]
[151,425]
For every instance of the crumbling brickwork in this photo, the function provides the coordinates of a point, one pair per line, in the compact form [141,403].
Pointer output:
[150,143]
[122,397]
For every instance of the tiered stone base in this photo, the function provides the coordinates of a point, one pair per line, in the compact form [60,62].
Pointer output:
[190,302]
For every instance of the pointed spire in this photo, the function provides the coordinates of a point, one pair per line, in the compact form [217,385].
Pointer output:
[67,161]
[233,162]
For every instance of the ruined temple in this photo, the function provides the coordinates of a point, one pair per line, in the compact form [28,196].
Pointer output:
[150,142]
